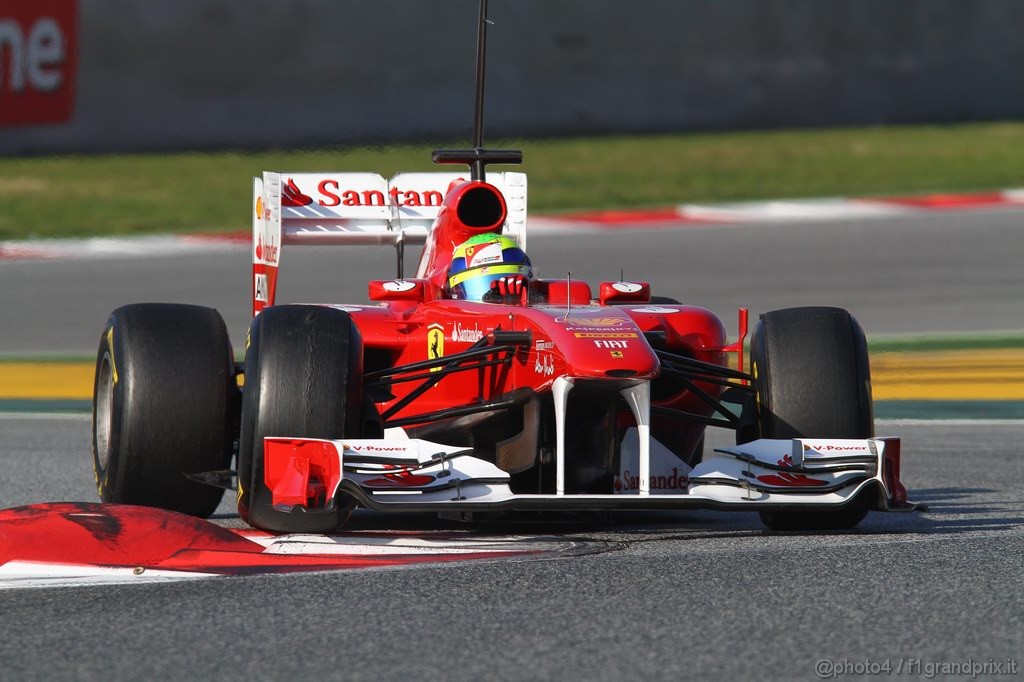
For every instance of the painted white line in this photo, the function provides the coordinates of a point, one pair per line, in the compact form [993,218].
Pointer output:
[363,545]
[791,211]
[23,574]
[825,212]
[67,416]
[112,247]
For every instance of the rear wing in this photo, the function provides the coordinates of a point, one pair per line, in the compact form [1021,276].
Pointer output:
[356,209]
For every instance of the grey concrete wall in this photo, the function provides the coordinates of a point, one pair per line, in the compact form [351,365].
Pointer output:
[189,74]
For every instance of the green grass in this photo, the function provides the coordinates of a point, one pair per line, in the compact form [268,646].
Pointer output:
[130,194]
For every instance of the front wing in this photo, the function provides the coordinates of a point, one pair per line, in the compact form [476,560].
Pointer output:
[305,474]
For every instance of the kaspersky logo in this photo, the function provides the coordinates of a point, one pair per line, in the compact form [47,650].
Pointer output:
[598,321]
[38,61]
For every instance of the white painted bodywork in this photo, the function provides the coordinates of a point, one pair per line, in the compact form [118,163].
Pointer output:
[758,474]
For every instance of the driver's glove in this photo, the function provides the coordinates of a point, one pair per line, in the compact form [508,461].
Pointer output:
[509,289]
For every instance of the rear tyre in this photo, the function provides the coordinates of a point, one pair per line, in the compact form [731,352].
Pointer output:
[813,380]
[163,406]
[303,378]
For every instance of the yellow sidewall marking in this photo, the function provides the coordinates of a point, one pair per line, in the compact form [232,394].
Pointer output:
[110,348]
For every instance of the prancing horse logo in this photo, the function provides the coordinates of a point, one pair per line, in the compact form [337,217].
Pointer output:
[435,344]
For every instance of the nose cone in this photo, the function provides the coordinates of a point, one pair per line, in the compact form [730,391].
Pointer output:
[604,344]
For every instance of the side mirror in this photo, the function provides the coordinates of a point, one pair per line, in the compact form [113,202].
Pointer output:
[625,292]
[397,290]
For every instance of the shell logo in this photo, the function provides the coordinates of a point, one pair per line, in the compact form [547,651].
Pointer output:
[262,210]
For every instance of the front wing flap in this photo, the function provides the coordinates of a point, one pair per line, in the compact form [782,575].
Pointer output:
[419,475]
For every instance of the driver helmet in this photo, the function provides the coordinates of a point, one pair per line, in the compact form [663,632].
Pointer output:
[482,259]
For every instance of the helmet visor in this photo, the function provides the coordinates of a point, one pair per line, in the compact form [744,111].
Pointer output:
[471,285]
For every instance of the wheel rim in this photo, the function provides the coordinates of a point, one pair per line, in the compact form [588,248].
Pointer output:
[104,414]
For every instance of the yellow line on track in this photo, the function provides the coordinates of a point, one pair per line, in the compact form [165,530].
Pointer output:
[931,375]
[949,375]
[54,380]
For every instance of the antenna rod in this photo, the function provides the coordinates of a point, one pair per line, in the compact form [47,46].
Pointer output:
[481,63]
[568,294]
[477,158]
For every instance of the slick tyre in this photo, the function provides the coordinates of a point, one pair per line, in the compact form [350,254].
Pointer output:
[812,380]
[303,378]
[164,402]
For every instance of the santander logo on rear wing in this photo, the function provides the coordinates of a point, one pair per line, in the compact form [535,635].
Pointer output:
[355,209]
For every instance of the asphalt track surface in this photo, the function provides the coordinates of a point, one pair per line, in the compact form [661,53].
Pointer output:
[677,595]
[684,595]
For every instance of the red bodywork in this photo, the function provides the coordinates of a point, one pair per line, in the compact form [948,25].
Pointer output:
[603,341]
[588,343]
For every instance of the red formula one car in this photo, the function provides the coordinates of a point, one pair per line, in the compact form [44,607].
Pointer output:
[559,397]
[542,394]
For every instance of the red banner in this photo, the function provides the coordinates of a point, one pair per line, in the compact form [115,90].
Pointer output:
[38,61]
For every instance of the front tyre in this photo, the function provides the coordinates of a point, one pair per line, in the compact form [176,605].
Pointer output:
[303,378]
[813,380]
[163,406]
